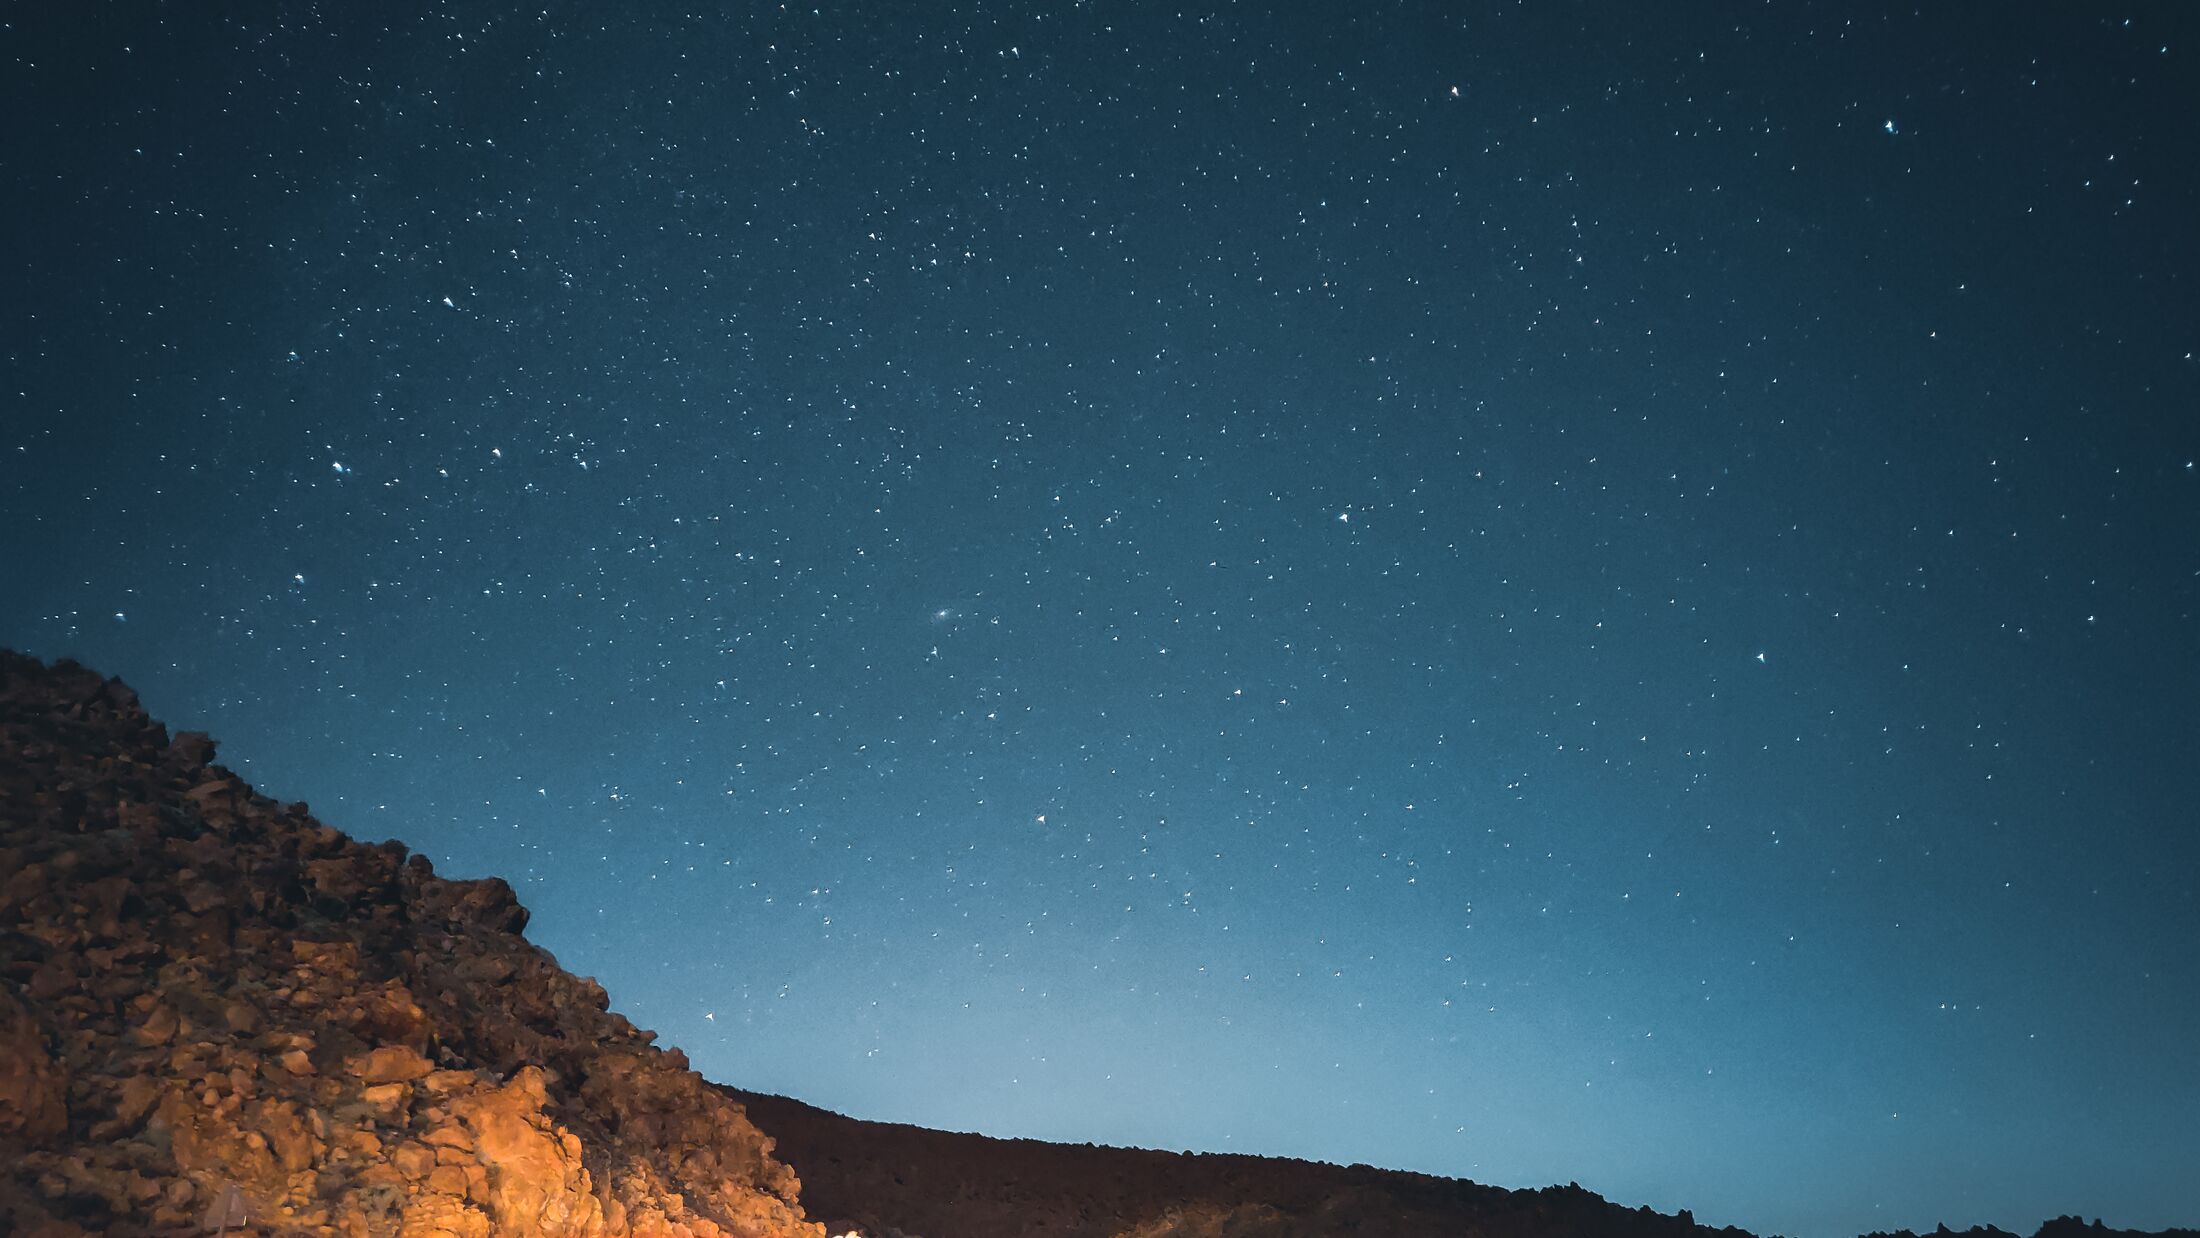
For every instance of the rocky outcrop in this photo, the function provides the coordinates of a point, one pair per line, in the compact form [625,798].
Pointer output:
[216,1011]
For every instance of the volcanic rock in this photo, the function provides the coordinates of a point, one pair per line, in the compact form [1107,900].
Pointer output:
[216,1011]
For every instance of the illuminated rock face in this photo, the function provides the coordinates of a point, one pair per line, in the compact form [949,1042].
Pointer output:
[215,1010]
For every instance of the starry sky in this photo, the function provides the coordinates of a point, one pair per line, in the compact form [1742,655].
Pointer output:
[1540,593]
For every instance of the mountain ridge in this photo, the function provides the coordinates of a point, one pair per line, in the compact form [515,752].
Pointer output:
[867,1175]
[219,1013]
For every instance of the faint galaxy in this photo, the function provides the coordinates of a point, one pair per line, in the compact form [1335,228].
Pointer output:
[1536,593]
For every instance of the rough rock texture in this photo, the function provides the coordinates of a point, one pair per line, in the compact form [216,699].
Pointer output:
[888,1180]
[216,1010]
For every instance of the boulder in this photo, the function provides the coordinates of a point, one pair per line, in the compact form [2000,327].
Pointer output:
[390,1064]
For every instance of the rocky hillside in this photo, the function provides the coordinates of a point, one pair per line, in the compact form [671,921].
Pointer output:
[216,1011]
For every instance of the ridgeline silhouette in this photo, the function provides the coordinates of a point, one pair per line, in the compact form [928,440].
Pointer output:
[219,1015]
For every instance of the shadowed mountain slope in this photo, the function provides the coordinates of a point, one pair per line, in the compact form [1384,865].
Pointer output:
[879,1178]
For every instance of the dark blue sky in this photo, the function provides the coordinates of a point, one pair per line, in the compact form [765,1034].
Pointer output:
[1542,594]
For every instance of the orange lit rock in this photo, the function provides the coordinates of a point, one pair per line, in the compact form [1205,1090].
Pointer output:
[537,1184]
[452,1137]
[390,1064]
[209,996]
[413,1160]
[388,1100]
[440,1215]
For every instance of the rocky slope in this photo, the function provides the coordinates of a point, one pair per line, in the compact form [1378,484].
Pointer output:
[216,1011]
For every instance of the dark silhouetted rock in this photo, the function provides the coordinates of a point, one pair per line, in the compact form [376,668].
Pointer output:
[888,1180]
[880,1178]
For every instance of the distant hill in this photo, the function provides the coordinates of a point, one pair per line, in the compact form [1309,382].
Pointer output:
[882,1178]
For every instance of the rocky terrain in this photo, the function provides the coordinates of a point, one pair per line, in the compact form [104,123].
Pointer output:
[219,1015]
[217,1012]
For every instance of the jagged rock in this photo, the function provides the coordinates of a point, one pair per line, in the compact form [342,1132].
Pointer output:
[158,1026]
[215,1008]
[190,750]
[537,1183]
[138,1095]
[391,1064]
[413,1160]
[34,1092]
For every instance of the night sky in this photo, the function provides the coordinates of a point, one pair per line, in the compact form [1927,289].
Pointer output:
[1534,593]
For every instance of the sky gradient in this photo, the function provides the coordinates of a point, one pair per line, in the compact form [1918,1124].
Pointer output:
[1538,594]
